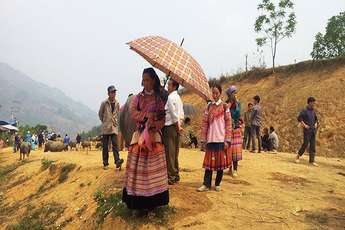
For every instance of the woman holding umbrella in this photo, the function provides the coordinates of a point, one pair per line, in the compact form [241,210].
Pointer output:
[146,180]
[236,143]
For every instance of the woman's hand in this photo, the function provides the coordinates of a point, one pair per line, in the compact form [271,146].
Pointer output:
[226,145]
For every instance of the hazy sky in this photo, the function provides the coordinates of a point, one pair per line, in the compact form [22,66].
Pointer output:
[79,46]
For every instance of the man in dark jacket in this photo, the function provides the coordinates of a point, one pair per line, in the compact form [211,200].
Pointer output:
[309,121]
[109,115]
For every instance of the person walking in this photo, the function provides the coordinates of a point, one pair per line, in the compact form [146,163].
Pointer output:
[16,144]
[109,116]
[78,140]
[66,140]
[236,139]
[40,140]
[216,137]
[146,179]
[256,124]
[172,130]
[309,121]
[247,127]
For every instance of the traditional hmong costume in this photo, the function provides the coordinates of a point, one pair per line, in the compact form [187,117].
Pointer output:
[236,140]
[216,129]
[146,182]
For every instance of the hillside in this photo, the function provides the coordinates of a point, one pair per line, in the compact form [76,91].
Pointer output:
[34,102]
[284,94]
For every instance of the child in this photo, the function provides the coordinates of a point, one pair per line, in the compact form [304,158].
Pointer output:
[216,135]
[189,138]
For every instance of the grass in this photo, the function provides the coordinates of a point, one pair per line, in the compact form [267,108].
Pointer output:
[5,170]
[112,204]
[46,164]
[319,217]
[40,218]
[65,170]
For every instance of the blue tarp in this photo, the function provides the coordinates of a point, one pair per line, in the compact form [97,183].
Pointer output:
[4,123]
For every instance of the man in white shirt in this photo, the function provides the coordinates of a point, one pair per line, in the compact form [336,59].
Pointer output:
[171,131]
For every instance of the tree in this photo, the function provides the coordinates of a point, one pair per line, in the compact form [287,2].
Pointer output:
[274,24]
[332,44]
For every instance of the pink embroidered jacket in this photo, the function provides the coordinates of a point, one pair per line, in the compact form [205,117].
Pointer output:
[216,124]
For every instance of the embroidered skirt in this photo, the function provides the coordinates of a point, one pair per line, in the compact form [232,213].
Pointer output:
[236,145]
[146,181]
[216,158]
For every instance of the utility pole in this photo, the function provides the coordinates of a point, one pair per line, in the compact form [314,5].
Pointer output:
[246,64]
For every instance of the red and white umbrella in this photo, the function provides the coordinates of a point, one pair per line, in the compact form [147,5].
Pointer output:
[174,61]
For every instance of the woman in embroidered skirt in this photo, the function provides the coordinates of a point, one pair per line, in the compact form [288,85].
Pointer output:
[236,140]
[216,134]
[146,181]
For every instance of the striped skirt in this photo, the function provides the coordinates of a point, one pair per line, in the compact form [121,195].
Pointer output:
[216,158]
[236,145]
[146,182]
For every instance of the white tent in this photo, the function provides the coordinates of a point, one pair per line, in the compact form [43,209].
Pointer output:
[9,127]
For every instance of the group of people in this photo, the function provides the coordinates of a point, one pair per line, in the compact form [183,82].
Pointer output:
[269,141]
[35,140]
[152,161]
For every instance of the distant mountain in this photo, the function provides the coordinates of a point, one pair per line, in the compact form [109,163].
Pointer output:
[34,102]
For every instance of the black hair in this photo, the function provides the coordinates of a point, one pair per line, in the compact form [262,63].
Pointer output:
[186,120]
[257,98]
[271,129]
[250,104]
[311,99]
[218,86]
[175,83]
[157,83]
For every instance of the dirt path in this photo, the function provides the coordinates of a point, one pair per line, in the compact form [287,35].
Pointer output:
[271,192]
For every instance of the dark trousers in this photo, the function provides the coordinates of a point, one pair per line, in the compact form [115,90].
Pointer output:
[208,178]
[235,164]
[105,152]
[171,141]
[194,141]
[247,137]
[256,136]
[309,138]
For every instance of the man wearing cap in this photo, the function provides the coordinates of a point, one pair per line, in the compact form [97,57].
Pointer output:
[109,116]
[309,121]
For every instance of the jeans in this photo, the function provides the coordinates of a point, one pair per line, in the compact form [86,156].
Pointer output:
[309,138]
[105,152]
[255,131]
[208,178]
[247,137]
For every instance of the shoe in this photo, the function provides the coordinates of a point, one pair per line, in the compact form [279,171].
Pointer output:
[203,189]
[171,182]
[218,188]
[105,167]
[234,173]
[314,164]
[297,159]
[252,151]
[119,163]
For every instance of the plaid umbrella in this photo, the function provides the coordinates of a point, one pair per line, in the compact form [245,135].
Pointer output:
[174,61]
